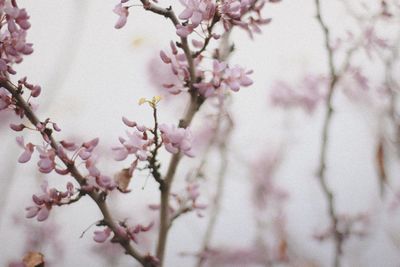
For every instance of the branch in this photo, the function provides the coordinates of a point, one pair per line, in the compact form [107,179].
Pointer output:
[209,36]
[170,14]
[97,198]
[338,237]
[165,188]
[222,147]
[153,163]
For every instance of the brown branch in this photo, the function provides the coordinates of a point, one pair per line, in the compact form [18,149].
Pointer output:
[337,235]
[166,186]
[222,147]
[209,36]
[154,165]
[195,103]
[97,197]
[178,213]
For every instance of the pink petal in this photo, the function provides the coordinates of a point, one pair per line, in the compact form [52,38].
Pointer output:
[43,214]
[31,212]
[25,157]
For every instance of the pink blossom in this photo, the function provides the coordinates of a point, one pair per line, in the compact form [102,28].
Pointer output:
[27,154]
[177,139]
[179,68]
[13,45]
[102,236]
[123,231]
[122,12]
[87,148]
[223,77]
[47,157]
[245,14]
[307,95]
[136,144]
[35,89]
[237,77]
[372,41]
[44,202]
[5,99]
[195,12]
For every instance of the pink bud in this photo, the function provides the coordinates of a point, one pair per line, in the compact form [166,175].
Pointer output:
[17,127]
[55,127]
[128,122]
[101,236]
[36,91]
[164,57]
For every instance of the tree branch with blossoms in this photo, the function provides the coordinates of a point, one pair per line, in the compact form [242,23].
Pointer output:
[67,158]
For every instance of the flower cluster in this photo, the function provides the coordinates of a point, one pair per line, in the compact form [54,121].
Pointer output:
[34,89]
[47,154]
[179,68]
[124,231]
[136,144]
[47,200]
[177,139]
[195,12]
[222,78]
[308,94]
[243,13]
[14,22]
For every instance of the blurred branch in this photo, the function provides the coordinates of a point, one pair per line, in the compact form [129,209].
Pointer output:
[216,207]
[338,237]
